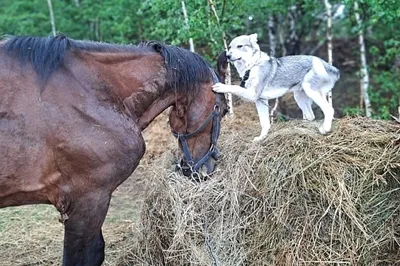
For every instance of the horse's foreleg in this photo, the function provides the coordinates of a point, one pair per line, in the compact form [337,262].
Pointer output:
[83,239]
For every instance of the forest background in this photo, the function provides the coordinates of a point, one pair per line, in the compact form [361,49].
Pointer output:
[284,28]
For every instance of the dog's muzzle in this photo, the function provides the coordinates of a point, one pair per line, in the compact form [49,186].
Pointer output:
[232,60]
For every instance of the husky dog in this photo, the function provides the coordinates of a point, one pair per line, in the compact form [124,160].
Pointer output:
[263,77]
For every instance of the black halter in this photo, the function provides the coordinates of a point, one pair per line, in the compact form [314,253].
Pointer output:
[192,168]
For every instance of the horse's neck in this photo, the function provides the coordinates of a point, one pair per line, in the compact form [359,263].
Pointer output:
[145,111]
[138,81]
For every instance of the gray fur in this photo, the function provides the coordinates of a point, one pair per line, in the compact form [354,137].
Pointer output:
[310,79]
[289,71]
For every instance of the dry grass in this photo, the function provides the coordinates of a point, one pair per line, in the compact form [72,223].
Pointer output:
[298,198]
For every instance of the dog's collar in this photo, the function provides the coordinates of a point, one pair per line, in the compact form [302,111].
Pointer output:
[245,78]
[256,61]
[247,73]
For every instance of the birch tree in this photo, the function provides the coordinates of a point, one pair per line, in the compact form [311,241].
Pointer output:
[272,51]
[53,24]
[184,10]
[281,35]
[271,35]
[364,79]
[228,70]
[328,8]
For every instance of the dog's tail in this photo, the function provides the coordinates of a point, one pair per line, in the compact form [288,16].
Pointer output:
[333,71]
[325,70]
[222,65]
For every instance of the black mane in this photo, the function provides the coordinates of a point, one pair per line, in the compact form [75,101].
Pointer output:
[185,70]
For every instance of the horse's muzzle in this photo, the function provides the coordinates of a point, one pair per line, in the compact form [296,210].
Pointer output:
[198,175]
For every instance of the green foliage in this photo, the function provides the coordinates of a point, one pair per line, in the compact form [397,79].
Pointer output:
[24,17]
[380,29]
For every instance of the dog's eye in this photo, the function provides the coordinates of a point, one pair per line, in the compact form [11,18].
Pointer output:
[239,46]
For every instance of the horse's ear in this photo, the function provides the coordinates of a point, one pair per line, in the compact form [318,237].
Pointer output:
[222,65]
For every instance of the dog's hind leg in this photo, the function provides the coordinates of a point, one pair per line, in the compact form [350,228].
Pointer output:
[263,114]
[321,101]
[305,103]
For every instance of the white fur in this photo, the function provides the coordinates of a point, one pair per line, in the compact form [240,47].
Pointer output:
[245,53]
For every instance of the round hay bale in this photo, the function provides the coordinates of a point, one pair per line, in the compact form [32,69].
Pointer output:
[296,198]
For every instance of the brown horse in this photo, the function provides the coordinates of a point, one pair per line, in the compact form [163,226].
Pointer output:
[71,117]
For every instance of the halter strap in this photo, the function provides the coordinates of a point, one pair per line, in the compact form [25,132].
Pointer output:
[216,126]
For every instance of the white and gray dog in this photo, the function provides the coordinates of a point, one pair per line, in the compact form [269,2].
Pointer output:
[263,77]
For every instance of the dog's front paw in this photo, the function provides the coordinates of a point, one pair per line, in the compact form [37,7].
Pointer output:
[220,88]
[259,138]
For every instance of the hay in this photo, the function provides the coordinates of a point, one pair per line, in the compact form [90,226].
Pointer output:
[298,198]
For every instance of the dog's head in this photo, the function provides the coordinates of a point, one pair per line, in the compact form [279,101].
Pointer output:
[243,48]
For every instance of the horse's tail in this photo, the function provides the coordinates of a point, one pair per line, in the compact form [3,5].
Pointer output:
[222,65]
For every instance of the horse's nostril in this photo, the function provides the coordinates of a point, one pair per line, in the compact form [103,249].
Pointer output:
[185,168]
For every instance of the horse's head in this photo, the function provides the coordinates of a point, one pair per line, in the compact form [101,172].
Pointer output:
[195,122]
[196,113]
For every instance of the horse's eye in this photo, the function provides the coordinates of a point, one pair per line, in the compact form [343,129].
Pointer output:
[239,46]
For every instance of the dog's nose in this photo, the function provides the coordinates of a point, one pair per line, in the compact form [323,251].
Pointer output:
[228,56]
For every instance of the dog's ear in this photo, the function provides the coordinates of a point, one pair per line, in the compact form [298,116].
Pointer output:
[253,37]
[253,41]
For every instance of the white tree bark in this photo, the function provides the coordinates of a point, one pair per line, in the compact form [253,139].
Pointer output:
[228,69]
[271,35]
[191,44]
[53,24]
[281,34]
[77,3]
[328,7]
[272,50]
[364,82]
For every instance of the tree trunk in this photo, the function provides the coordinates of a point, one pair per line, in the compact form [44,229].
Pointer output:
[271,35]
[53,24]
[364,82]
[228,70]
[191,44]
[280,35]
[77,3]
[293,40]
[272,50]
[329,38]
